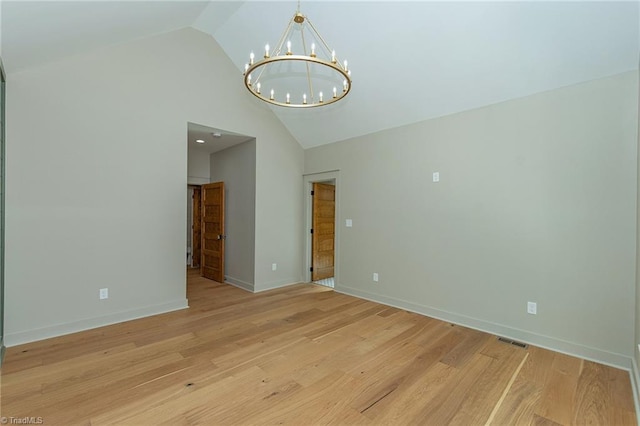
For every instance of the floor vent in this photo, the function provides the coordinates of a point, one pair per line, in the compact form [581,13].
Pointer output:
[513,342]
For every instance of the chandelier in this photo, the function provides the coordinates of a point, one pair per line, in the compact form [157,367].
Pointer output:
[301,71]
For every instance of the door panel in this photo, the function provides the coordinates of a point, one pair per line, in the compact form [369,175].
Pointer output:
[196,239]
[212,259]
[324,208]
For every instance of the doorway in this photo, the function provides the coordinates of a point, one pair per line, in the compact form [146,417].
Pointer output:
[216,155]
[322,230]
[323,214]
[194,226]
[205,230]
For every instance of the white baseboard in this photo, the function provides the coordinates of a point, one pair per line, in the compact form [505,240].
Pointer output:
[239,283]
[276,284]
[557,345]
[28,336]
[635,385]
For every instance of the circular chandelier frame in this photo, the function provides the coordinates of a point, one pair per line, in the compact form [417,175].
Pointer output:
[260,66]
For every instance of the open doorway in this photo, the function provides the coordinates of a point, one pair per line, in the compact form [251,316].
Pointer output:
[321,213]
[206,230]
[194,226]
[226,159]
[323,218]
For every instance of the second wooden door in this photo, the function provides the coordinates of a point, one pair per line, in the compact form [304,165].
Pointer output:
[324,218]
[212,260]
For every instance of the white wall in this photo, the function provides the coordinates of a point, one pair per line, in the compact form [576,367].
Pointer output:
[0,27]
[2,298]
[536,202]
[97,181]
[635,377]
[198,169]
[279,207]
[636,349]
[236,167]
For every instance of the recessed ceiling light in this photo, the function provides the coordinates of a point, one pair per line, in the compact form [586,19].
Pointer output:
[199,141]
[217,135]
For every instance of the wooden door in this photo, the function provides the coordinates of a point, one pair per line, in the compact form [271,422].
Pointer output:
[324,219]
[196,237]
[212,259]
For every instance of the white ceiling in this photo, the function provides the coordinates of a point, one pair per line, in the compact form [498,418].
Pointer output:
[411,60]
[36,32]
[212,143]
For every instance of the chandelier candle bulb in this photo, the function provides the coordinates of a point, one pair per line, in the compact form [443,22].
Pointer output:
[272,93]
[266,50]
[251,58]
[304,99]
[345,65]
[289,47]
[320,97]
[313,50]
[249,79]
[344,85]
[288,99]
[333,56]
[246,68]
[335,92]
[258,87]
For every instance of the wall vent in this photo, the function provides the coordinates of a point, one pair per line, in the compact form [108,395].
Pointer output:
[513,342]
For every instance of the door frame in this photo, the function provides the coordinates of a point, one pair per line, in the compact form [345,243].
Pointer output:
[332,176]
[192,220]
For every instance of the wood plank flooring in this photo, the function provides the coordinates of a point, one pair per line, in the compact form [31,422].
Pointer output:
[302,355]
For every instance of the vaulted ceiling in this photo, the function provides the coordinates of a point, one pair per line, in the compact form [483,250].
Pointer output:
[411,61]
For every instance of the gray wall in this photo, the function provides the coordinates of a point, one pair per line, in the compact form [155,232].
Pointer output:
[97,181]
[279,213]
[536,202]
[236,167]
[636,349]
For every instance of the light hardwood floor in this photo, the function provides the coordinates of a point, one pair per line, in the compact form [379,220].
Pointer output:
[302,355]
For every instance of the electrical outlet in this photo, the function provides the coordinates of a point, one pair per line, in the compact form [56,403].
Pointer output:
[104,293]
[532,308]
[375,277]
[274,266]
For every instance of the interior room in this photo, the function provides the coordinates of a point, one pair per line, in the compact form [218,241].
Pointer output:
[447,234]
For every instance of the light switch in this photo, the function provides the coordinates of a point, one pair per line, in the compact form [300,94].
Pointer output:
[436,176]
[348,223]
